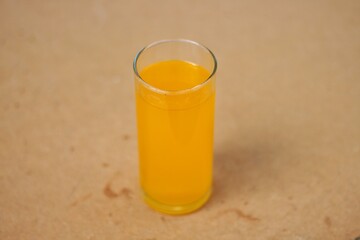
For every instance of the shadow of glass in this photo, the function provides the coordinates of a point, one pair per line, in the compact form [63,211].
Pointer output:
[240,171]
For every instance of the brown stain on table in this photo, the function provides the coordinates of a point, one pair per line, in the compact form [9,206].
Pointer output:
[80,200]
[108,192]
[28,172]
[126,192]
[111,193]
[72,149]
[327,221]
[126,137]
[17,105]
[239,213]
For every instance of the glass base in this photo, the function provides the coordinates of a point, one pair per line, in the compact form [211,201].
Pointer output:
[177,209]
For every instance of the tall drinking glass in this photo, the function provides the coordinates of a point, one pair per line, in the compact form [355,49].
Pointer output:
[175,97]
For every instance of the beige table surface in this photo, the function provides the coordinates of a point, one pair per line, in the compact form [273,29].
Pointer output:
[287,148]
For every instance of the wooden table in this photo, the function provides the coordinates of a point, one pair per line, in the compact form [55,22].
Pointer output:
[287,148]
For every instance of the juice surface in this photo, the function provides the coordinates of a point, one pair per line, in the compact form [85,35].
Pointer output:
[174,75]
[175,141]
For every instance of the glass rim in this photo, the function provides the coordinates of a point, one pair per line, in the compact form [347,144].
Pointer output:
[174,92]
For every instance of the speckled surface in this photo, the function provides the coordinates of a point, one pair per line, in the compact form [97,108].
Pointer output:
[287,148]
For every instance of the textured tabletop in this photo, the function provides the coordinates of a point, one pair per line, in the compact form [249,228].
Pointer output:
[287,132]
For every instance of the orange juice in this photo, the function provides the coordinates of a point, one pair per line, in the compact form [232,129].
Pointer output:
[175,135]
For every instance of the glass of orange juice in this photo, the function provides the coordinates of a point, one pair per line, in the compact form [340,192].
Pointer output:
[175,98]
